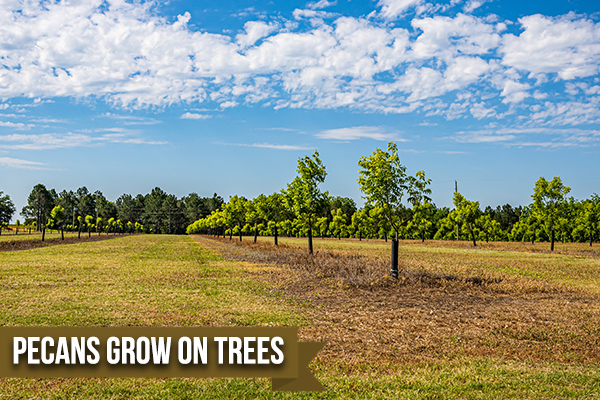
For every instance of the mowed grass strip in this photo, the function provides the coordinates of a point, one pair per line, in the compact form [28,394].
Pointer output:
[146,280]
[462,379]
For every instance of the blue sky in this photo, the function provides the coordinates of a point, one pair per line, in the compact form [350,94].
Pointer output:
[224,96]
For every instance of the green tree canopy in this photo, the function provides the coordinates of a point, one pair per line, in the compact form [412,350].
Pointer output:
[7,208]
[303,195]
[382,179]
[548,201]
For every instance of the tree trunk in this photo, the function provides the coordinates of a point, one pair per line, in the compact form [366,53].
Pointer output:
[62,233]
[240,232]
[551,234]
[359,235]
[394,269]
[472,234]
[385,236]
[255,233]
[423,236]
[89,232]
[79,232]
[310,244]
[43,233]
[590,238]
[275,231]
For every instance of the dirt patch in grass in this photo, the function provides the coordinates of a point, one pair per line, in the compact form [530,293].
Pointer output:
[16,245]
[367,317]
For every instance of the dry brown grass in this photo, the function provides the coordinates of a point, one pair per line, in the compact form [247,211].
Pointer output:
[427,315]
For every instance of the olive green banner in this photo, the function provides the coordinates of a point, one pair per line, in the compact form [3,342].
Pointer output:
[161,352]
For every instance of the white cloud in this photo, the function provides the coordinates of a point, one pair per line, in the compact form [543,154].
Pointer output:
[255,30]
[321,4]
[17,125]
[189,115]
[125,54]
[568,113]
[18,163]
[446,38]
[359,132]
[132,119]
[472,5]
[286,147]
[279,146]
[568,46]
[48,141]
[482,136]
[532,137]
[391,9]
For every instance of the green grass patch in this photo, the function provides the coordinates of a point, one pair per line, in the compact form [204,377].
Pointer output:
[160,280]
[147,280]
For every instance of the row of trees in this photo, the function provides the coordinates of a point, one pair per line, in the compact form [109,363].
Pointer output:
[81,210]
[399,206]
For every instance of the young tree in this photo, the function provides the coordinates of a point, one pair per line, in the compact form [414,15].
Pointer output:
[548,201]
[58,215]
[467,213]
[490,227]
[99,225]
[419,192]
[111,224]
[322,226]
[271,208]
[588,218]
[235,214]
[7,208]
[361,223]
[89,220]
[303,195]
[79,224]
[338,224]
[382,178]
[253,215]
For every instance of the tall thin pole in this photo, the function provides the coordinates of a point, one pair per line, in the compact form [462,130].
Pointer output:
[456,191]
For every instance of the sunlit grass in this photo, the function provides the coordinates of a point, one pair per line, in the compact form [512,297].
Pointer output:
[160,280]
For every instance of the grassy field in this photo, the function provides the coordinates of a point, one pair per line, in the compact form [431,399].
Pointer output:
[499,321]
[7,235]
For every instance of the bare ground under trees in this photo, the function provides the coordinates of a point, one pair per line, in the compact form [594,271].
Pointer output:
[368,318]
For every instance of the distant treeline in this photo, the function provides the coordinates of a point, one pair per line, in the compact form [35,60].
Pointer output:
[397,206]
[155,212]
